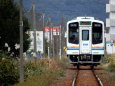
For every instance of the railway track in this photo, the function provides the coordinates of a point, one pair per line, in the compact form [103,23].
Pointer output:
[75,78]
[86,77]
[97,78]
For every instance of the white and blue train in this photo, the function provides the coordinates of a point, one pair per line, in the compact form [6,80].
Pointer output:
[85,41]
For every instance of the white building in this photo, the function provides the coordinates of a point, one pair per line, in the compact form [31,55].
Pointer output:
[110,23]
[39,41]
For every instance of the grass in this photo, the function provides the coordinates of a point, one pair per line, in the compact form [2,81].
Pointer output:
[40,80]
[108,74]
[109,65]
[43,72]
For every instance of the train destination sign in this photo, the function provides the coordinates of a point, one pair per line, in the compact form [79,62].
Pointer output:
[73,25]
[97,24]
[85,22]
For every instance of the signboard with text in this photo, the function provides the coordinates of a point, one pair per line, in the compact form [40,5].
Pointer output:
[39,41]
[55,30]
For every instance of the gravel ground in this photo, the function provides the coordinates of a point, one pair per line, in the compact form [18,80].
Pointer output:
[106,77]
[67,80]
[86,78]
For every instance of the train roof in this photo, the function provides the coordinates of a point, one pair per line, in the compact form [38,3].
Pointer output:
[85,19]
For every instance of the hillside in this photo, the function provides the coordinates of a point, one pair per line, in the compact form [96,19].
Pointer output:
[70,8]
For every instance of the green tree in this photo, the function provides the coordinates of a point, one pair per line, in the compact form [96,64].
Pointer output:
[9,27]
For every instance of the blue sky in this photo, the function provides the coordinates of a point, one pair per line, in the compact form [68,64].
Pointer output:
[69,8]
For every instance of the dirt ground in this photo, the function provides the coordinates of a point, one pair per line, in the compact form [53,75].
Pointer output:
[67,80]
[86,77]
[105,77]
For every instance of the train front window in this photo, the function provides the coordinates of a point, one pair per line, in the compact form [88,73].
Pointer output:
[85,34]
[73,33]
[97,33]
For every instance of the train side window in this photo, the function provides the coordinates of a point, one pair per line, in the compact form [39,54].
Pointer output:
[73,33]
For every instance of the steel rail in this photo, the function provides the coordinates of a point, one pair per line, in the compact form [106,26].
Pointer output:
[75,78]
[97,78]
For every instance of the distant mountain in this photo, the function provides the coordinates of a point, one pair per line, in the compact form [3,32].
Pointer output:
[70,8]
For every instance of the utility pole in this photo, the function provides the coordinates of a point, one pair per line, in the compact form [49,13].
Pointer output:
[34,26]
[48,52]
[47,24]
[57,42]
[62,23]
[49,44]
[43,34]
[60,44]
[21,44]
[52,41]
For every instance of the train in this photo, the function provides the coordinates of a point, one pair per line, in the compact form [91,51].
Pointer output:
[85,41]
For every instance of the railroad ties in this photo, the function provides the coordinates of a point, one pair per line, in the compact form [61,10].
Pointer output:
[86,76]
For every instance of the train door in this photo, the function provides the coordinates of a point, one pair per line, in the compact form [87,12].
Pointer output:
[85,40]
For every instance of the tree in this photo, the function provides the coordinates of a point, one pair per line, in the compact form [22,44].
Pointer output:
[9,27]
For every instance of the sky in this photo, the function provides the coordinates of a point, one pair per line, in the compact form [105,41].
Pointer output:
[69,8]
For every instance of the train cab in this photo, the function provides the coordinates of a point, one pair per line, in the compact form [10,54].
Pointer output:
[85,41]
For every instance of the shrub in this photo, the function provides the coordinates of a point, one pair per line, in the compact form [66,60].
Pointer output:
[3,54]
[8,72]
[110,61]
[111,68]
[42,72]
[32,68]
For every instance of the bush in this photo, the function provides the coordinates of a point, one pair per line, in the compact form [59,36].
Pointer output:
[32,68]
[110,61]
[111,68]
[8,72]
[43,72]
[3,54]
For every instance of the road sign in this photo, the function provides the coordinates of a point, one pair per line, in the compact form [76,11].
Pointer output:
[112,41]
[65,48]
[111,44]
[114,44]
[107,42]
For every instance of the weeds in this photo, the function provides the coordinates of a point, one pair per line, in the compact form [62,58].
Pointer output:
[9,73]
[109,65]
[62,74]
[40,80]
[43,72]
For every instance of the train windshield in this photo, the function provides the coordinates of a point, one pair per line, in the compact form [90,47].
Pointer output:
[73,33]
[85,34]
[97,33]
